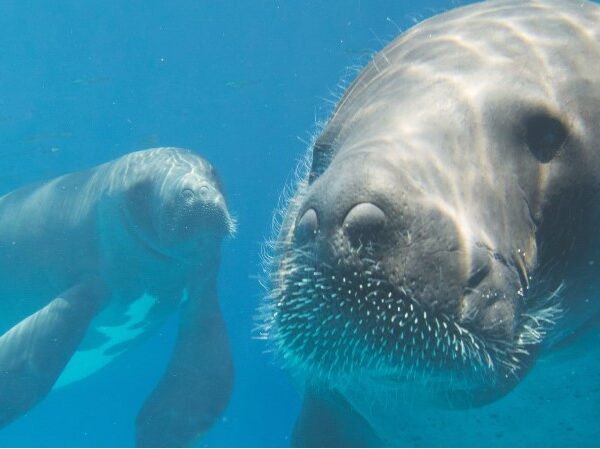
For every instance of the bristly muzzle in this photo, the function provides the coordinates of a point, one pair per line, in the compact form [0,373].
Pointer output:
[339,322]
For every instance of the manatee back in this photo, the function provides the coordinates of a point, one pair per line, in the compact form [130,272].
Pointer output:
[556,40]
[47,236]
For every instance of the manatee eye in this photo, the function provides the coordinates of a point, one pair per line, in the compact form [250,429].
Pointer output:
[544,135]
[321,157]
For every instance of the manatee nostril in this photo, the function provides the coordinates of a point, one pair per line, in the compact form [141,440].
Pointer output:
[306,227]
[187,194]
[364,222]
[204,191]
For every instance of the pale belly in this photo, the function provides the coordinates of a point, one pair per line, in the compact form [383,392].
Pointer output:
[144,296]
[113,332]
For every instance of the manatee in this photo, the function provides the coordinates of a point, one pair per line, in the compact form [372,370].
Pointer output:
[91,262]
[440,249]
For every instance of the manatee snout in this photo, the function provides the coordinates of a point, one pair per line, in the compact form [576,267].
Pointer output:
[386,272]
[200,207]
[360,216]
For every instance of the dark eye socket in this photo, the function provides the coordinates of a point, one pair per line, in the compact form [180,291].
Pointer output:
[545,136]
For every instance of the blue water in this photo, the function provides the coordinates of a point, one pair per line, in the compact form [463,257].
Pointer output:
[241,83]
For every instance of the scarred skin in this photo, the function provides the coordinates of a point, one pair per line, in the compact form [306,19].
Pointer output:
[444,236]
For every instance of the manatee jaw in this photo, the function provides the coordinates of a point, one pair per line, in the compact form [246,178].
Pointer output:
[194,209]
[350,320]
[136,233]
[335,322]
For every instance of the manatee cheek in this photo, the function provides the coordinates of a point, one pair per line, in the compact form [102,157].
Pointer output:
[139,210]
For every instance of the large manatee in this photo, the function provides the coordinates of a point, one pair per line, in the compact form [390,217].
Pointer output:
[93,261]
[443,241]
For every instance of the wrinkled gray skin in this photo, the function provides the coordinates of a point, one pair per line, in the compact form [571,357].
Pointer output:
[93,261]
[445,236]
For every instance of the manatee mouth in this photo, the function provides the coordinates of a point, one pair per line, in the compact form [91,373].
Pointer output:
[137,234]
[191,233]
[334,322]
[201,219]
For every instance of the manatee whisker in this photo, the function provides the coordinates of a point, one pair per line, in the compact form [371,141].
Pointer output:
[443,340]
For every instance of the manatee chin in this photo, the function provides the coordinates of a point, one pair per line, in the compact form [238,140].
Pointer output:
[350,306]
[180,216]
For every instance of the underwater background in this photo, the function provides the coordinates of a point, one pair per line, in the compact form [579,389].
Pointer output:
[242,83]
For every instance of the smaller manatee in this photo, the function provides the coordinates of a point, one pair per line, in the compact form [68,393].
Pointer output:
[443,242]
[91,262]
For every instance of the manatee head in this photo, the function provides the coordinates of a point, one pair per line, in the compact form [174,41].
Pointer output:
[447,208]
[173,201]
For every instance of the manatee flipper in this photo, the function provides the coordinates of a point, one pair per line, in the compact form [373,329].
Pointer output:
[34,352]
[197,384]
[328,420]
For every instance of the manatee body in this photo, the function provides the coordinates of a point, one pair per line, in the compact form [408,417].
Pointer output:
[93,261]
[444,237]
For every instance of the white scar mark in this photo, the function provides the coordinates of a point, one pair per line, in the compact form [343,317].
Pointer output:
[83,363]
